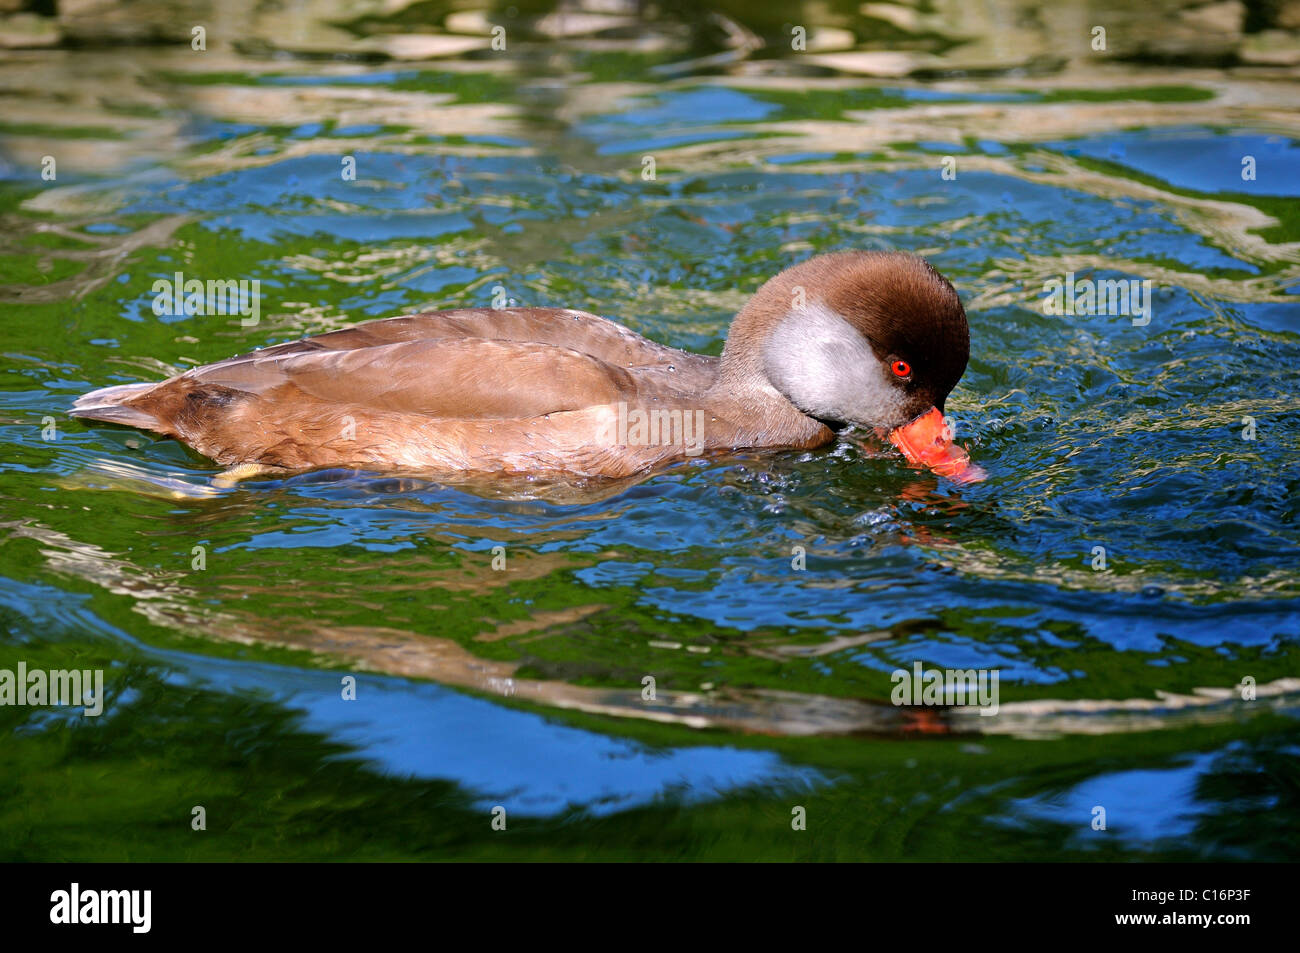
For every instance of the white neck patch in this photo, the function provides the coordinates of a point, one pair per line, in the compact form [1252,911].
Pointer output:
[823,366]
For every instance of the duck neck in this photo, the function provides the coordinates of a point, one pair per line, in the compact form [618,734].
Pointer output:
[743,391]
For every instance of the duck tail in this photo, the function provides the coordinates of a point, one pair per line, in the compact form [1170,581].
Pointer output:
[109,404]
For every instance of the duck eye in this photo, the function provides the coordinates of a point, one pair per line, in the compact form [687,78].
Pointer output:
[901,369]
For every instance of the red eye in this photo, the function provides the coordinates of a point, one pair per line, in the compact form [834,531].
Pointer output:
[901,369]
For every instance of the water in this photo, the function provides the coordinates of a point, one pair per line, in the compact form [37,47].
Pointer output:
[522,688]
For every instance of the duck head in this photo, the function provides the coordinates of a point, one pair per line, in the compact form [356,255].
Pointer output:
[873,340]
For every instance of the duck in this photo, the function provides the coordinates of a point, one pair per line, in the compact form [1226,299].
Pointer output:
[844,342]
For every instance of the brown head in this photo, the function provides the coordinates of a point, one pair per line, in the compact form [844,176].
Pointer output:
[875,340]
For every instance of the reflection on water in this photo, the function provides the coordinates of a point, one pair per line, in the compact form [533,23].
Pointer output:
[527,763]
[228,614]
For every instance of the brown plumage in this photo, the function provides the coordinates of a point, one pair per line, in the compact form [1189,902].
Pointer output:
[537,390]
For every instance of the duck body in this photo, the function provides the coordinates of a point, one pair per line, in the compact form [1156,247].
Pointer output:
[549,390]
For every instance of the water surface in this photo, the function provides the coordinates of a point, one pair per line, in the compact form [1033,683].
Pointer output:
[525,171]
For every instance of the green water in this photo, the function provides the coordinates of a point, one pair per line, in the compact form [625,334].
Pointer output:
[769,596]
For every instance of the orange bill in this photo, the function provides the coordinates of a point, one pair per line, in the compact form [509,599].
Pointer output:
[927,441]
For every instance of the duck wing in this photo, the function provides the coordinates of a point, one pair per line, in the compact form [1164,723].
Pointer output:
[563,327]
[466,365]
[458,378]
